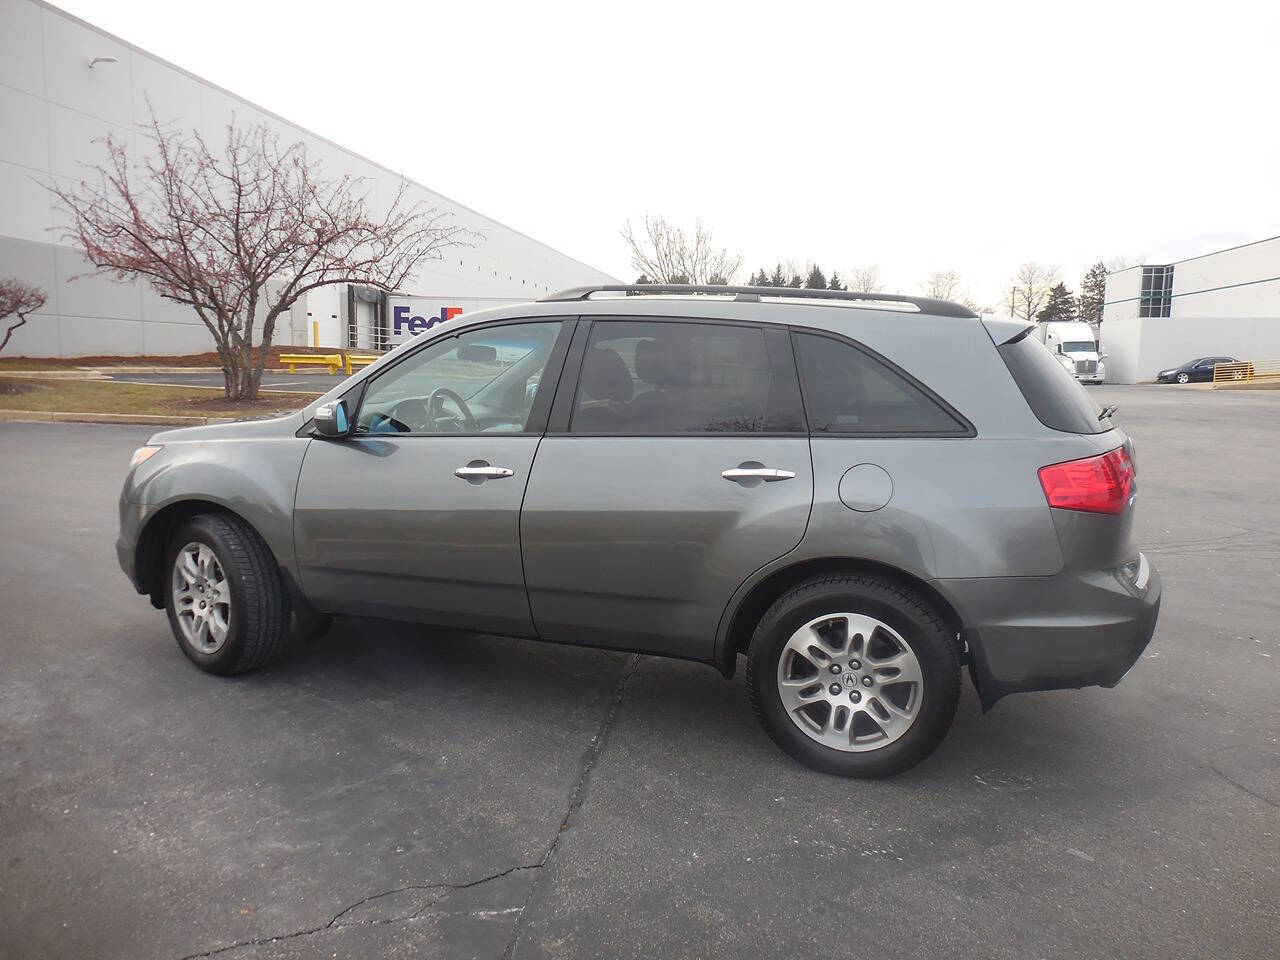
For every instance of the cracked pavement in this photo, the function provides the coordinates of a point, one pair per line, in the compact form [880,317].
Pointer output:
[396,792]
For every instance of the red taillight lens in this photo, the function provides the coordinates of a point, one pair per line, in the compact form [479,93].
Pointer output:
[1096,484]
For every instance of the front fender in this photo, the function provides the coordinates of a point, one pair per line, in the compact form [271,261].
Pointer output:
[255,478]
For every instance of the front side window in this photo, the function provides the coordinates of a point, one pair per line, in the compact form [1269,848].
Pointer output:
[846,390]
[480,381]
[654,377]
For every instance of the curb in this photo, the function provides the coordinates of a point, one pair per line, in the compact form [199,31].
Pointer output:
[46,416]
[1247,385]
[104,371]
[80,373]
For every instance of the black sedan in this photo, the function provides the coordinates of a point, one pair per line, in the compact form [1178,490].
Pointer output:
[1200,369]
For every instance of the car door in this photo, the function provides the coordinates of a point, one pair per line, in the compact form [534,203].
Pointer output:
[415,515]
[674,467]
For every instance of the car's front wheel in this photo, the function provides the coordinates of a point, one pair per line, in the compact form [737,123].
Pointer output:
[1184,377]
[854,675]
[227,603]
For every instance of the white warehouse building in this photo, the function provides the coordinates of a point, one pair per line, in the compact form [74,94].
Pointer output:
[1162,315]
[65,84]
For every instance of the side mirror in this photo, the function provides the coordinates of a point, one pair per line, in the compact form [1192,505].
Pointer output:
[1103,356]
[331,420]
[1059,348]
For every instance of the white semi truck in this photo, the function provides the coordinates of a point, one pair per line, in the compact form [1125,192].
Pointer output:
[1074,344]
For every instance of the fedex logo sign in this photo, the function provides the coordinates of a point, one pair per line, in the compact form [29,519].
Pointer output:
[405,321]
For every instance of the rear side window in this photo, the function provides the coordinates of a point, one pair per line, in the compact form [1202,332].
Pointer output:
[1055,396]
[656,377]
[847,390]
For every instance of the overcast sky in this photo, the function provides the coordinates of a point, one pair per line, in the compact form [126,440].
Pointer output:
[959,136]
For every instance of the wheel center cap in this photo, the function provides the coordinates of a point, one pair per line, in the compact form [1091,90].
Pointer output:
[850,680]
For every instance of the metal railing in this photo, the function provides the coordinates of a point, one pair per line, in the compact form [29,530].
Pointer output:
[1246,370]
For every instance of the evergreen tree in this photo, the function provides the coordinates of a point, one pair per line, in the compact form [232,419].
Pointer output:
[835,283]
[817,280]
[797,281]
[1093,291]
[1059,306]
[779,278]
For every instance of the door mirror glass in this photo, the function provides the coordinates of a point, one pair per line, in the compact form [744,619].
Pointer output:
[331,419]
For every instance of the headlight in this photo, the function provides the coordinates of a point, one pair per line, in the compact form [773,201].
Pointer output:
[143,454]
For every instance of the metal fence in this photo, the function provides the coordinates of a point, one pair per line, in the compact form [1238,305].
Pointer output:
[1246,370]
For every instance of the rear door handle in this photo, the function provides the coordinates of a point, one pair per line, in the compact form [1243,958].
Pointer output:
[767,474]
[479,470]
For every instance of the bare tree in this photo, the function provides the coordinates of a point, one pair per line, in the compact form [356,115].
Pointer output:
[1029,290]
[242,235]
[665,253]
[17,299]
[866,279]
[1124,261]
[944,285]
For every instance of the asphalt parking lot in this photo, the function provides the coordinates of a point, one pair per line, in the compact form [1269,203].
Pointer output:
[393,792]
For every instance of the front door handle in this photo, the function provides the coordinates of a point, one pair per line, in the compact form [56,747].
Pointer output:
[766,474]
[478,471]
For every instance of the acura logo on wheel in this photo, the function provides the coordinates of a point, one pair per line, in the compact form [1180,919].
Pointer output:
[850,680]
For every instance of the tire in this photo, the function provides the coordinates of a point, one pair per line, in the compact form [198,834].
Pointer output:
[1183,377]
[900,628]
[246,624]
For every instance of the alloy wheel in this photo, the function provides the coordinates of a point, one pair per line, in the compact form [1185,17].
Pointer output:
[850,681]
[201,597]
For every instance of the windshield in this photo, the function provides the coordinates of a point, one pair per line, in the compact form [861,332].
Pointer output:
[1079,346]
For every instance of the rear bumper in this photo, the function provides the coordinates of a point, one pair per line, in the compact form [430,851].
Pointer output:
[1051,633]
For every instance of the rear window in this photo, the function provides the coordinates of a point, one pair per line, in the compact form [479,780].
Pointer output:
[1055,396]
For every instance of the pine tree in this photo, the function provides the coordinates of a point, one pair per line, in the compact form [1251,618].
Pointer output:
[1060,305]
[796,281]
[817,280]
[779,278]
[1093,291]
[835,283]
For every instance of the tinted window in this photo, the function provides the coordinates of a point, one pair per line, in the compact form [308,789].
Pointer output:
[481,381]
[849,391]
[1055,396]
[649,377]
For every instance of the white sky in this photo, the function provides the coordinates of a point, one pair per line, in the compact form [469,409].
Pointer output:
[962,136]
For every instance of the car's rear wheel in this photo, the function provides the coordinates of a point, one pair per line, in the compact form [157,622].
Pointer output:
[227,603]
[854,675]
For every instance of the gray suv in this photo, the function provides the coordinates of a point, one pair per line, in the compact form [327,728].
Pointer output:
[862,494]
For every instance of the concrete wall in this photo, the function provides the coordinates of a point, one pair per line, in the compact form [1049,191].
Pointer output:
[53,107]
[1227,302]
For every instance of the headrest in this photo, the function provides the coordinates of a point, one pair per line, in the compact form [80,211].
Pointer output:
[605,376]
[665,362]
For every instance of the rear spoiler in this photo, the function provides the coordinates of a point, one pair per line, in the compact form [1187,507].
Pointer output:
[1003,330]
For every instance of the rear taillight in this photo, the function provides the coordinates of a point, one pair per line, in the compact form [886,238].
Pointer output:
[1096,484]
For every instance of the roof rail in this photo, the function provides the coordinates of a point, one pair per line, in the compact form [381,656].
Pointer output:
[941,308]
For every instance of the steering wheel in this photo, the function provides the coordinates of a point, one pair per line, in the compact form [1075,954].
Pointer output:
[434,404]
